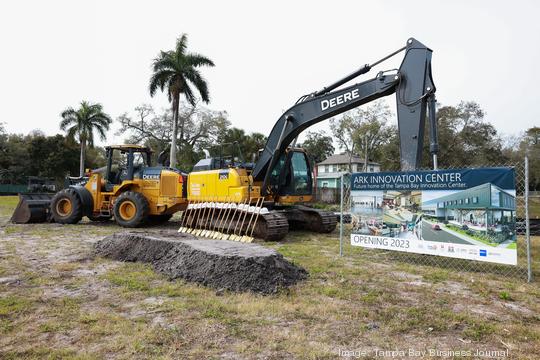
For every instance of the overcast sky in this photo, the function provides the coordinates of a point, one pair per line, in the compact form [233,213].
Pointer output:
[54,54]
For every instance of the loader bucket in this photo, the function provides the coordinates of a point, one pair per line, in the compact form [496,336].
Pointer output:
[32,208]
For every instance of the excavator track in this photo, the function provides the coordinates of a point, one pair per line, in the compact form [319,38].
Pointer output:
[305,218]
[272,226]
[322,221]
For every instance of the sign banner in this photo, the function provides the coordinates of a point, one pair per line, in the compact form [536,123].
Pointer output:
[459,213]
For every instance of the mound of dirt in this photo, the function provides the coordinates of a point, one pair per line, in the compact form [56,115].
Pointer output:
[216,263]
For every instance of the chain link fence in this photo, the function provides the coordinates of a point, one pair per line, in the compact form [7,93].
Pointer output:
[522,270]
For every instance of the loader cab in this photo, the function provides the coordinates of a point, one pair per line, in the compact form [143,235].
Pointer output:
[292,175]
[125,162]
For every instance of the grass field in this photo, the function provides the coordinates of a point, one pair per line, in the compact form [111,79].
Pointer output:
[58,301]
[534,207]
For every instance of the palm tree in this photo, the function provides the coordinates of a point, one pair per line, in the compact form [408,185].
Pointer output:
[176,70]
[81,124]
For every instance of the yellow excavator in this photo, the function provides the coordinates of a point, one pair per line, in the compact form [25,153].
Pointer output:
[230,199]
[227,202]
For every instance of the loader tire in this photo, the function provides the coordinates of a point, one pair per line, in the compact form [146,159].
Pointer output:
[131,209]
[66,207]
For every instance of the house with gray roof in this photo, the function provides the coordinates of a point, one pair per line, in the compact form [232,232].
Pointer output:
[328,172]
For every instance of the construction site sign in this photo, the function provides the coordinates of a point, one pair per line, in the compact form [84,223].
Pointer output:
[459,213]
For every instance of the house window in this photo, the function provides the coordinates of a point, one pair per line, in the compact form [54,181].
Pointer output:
[460,201]
[371,169]
[334,168]
[326,168]
[475,200]
[466,200]
[325,184]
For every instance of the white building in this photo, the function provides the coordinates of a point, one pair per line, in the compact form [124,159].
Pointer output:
[328,172]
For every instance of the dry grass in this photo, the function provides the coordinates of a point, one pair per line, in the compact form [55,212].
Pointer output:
[57,301]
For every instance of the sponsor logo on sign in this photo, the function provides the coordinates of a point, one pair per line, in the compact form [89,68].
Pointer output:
[483,252]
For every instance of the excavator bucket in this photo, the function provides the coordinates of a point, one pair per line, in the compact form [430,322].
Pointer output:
[32,208]
[223,220]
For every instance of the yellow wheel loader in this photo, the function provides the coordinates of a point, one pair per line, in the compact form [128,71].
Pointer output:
[128,189]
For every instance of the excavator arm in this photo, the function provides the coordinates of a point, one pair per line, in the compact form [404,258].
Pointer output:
[414,89]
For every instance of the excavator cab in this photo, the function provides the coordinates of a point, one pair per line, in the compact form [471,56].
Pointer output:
[291,179]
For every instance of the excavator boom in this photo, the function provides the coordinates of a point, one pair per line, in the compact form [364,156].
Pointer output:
[412,84]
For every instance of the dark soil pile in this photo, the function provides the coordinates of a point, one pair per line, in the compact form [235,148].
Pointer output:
[216,263]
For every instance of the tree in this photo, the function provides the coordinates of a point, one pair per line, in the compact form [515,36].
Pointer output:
[203,129]
[388,154]
[530,145]
[343,130]
[176,70]
[532,135]
[318,146]
[362,129]
[54,156]
[82,123]
[465,138]
[249,144]
[146,127]
[526,143]
[373,130]
[36,154]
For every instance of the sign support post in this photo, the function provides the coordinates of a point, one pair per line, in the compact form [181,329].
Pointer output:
[527,222]
[341,219]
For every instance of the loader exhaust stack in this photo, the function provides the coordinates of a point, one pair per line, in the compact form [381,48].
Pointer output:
[32,208]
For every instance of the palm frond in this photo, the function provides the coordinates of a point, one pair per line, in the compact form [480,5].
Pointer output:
[102,133]
[165,61]
[195,60]
[69,116]
[159,80]
[71,132]
[188,93]
[181,44]
[200,83]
